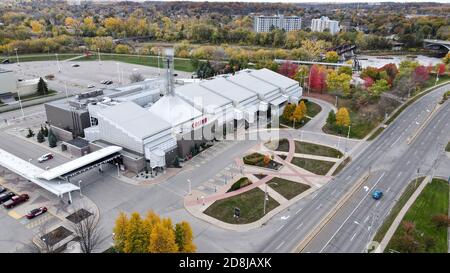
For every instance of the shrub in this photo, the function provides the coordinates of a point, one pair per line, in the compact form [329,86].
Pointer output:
[256,159]
[243,182]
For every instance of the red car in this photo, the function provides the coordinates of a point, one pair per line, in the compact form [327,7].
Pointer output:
[36,212]
[16,200]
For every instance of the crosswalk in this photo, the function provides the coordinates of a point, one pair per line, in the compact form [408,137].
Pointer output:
[222,178]
[210,153]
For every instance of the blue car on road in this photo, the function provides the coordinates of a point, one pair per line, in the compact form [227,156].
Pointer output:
[376,194]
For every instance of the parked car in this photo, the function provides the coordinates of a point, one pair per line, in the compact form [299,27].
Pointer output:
[6,196]
[16,200]
[377,194]
[75,65]
[45,157]
[103,82]
[36,212]
[91,86]
[6,61]
[108,82]
[2,189]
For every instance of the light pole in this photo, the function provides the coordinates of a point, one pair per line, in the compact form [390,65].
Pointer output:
[79,186]
[57,63]
[118,170]
[346,140]
[98,52]
[118,71]
[17,56]
[265,199]
[20,101]
[189,185]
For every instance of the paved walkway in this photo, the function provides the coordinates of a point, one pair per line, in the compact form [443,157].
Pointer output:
[398,219]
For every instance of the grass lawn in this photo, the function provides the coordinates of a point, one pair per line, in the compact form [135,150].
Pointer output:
[376,133]
[39,57]
[342,166]
[288,123]
[412,186]
[37,96]
[288,189]
[312,110]
[432,201]
[318,167]
[359,127]
[251,204]
[448,147]
[242,182]
[182,65]
[316,149]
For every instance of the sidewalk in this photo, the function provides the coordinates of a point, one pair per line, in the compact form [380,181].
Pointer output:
[401,214]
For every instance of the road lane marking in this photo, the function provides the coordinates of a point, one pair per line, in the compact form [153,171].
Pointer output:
[353,237]
[407,163]
[319,206]
[356,222]
[299,226]
[280,228]
[388,189]
[282,243]
[298,210]
[378,203]
[350,215]
[367,218]
[400,173]
[396,141]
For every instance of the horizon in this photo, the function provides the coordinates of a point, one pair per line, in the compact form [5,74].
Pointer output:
[284,2]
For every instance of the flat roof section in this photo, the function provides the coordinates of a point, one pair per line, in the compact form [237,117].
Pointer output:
[31,172]
[256,85]
[200,96]
[174,110]
[79,163]
[228,90]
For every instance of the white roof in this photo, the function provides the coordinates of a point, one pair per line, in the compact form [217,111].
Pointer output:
[134,119]
[273,78]
[79,163]
[256,85]
[200,96]
[228,90]
[31,172]
[174,110]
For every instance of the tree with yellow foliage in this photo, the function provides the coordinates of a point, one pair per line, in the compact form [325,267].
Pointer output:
[136,241]
[288,111]
[162,239]
[184,238]
[36,27]
[120,232]
[343,117]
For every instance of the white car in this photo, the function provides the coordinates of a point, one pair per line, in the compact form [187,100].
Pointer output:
[91,86]
[45,157]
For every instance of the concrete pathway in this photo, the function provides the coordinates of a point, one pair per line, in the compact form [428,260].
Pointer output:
[398,219]
[320,119]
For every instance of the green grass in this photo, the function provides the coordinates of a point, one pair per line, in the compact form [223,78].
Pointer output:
[242,182]
[376,133]
[359,127]
[297,124]
[283,145]
[182,65]
[288,189]
[447,149]
[39,57]
[318,167]
[409,190]
[251,204]
[312,108]
[432,201]
[342,166]
[316,149]
[255,159]
[37,96]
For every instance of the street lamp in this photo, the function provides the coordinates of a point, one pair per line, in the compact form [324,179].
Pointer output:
[190,185]
[118,71]
[57,62]
[79,185]
[98,52]
[17,55]
[20,101]
[118,170]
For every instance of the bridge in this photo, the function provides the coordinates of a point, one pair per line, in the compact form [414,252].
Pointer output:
[280,61]
[436,44]
[341,49]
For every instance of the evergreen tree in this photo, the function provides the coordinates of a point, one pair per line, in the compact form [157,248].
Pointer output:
[40,137]
[30,133]
[184,238]
[42,88]
[331,119]
[45,131]
[51,139]
[120,232]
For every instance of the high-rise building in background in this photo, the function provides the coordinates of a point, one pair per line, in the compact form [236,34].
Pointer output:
[325,23]
[267,23]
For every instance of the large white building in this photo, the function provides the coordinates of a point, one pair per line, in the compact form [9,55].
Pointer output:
[325,23]
[266,23]
[157,131]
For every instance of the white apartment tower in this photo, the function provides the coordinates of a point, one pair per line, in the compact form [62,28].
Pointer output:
[265,23]
[325,23]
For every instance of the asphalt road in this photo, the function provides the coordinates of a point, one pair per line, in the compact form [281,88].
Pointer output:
[392,164]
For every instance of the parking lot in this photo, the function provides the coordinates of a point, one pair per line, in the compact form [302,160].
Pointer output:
[77,79]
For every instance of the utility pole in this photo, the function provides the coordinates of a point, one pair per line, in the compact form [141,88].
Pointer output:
[265,199]
[20,101]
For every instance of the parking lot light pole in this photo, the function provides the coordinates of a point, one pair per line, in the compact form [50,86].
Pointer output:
[189,184]
[57,62]
[17,56]
[98,52]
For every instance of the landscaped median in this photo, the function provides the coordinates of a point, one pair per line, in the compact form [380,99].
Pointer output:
[287,188]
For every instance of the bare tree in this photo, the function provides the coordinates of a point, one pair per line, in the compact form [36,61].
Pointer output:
[88,233]
[136,77]
[40,243]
